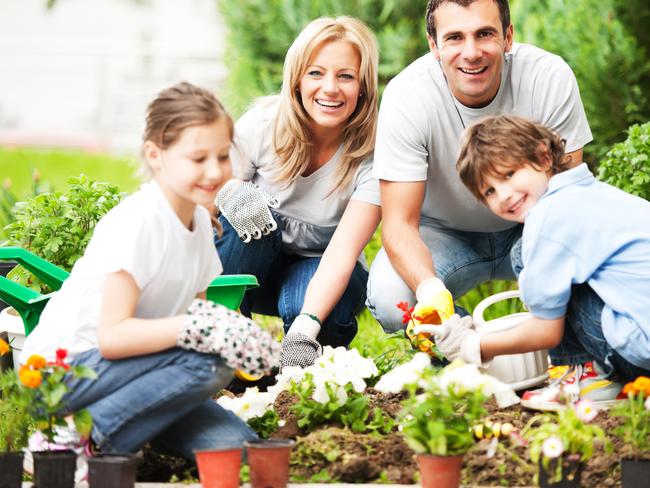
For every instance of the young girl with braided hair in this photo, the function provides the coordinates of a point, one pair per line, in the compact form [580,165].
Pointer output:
[134,308]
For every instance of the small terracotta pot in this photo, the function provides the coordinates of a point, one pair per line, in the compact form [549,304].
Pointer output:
[111,470]
[635,472]
[268,460]
[219,468]
[571,473]
[440,471]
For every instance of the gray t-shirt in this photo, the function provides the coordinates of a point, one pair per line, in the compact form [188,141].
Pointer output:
[308,214]
[420,125]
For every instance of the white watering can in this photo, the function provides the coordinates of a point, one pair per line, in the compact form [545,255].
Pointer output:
[520,371]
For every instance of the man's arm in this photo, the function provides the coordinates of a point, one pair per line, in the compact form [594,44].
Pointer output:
[401,203]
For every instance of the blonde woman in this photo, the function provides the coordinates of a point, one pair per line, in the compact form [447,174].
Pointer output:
[305,203]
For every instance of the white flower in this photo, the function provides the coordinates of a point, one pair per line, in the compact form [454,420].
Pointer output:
[552,447]
[647,403]
[252,403]
[586,410]
[408,373]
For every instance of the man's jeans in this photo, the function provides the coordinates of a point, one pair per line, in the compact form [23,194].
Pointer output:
[283,283]
[162,398]
[583,338]
[463,260]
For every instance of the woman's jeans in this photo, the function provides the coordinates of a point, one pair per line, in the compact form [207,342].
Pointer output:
[463,260]
[162,398]
[583,338]
[283,283]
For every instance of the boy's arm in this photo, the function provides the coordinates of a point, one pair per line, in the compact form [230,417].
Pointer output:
[532,335]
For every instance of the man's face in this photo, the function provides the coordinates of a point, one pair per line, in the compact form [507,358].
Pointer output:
[470,46]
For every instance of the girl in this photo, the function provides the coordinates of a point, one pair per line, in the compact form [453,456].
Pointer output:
[121,311]
[311,148]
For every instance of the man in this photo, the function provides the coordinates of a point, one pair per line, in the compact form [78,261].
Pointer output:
[437,237]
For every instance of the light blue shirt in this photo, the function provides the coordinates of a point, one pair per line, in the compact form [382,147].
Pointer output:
[585,231]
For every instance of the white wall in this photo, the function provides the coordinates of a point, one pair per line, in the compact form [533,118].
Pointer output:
[82,73]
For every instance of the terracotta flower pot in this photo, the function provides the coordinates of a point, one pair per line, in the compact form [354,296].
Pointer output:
[11,469]
[440,471]
[635,472]
[111,470]
[54,469]
[219,468]
[571,473]
[269,462]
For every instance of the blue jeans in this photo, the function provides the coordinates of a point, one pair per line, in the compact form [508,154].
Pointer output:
[162,398]
[583,338]
[283,283]
[463,260]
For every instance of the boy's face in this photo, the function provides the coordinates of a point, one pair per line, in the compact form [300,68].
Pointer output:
[513,194]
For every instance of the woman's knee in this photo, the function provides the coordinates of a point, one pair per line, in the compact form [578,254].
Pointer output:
[209,371]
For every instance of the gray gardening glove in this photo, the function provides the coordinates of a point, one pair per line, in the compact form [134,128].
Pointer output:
[300,347]
[214,329]
[456,338]
[246,207]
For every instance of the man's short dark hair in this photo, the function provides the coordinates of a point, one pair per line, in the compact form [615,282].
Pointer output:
[433,5]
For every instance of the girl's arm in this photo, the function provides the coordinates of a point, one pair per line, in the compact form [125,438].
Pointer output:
[328,284]
[120,335]
[532,335]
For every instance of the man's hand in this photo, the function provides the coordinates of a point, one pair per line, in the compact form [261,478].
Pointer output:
[246,207]
[435,303]
[210,328]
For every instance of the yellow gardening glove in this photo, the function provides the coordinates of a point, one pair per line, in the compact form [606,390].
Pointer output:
[435,305]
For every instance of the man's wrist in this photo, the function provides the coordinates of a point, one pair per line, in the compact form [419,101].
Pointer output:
[428,288]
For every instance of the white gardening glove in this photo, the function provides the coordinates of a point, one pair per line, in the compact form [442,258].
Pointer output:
[214,329]
[456,338]
[299,346]
[246,207]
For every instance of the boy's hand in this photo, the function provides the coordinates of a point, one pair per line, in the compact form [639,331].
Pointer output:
[246,207]
[214,329]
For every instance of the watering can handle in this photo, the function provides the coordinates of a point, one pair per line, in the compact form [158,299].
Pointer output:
[477,316]
[46,271]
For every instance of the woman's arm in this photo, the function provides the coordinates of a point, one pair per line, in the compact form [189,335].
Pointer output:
[120,335]
[358,223]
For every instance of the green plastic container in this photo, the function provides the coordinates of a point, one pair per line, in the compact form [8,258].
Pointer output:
[229,290]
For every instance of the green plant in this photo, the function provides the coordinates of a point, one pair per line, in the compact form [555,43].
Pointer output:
[564,435]
[45,384]
[627,164]
[58,226]
[635,412]
[265,424]
[15,422]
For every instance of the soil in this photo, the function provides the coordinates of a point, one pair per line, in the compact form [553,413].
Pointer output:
[333,453]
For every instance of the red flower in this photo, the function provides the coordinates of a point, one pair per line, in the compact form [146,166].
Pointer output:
[404,307]
[61,354]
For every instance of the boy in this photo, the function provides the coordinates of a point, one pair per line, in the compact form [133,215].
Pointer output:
[583,262]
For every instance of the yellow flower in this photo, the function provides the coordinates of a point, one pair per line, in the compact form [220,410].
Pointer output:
[36,361]
[4,347]
[29,377]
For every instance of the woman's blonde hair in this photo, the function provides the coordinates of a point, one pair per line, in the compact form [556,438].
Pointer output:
[291,136]
[495,145]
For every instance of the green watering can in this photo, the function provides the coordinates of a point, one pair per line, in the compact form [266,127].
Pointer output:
[228,290]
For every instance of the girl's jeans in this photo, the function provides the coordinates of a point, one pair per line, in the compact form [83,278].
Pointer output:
[463,260]
[283,283]
[162,398]
[583,338]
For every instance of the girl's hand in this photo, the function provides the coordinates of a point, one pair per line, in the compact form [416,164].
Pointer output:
[214,329]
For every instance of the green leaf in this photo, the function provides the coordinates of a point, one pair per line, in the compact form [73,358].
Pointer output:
[83,422]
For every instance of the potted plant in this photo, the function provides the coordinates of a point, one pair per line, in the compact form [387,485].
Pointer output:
[15,425]
[634,431]
[438,414]
[45,385]
[560,442]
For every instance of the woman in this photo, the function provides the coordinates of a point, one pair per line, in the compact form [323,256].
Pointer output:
[311,148]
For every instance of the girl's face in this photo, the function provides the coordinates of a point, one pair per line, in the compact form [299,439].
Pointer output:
[513,194]
[330,87]
[193,169]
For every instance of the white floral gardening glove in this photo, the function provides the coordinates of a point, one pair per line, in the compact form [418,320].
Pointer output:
[299,346]
[456,338]
[214,329]
[246,206]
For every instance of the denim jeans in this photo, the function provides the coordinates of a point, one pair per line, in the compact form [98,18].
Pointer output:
[283,283]
[162,398]
[583,338]
[463,260]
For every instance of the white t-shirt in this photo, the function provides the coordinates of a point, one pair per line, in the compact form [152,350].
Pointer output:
[143,236]
[307,216]
[421,123]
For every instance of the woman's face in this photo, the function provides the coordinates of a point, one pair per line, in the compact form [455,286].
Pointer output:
[330,87]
